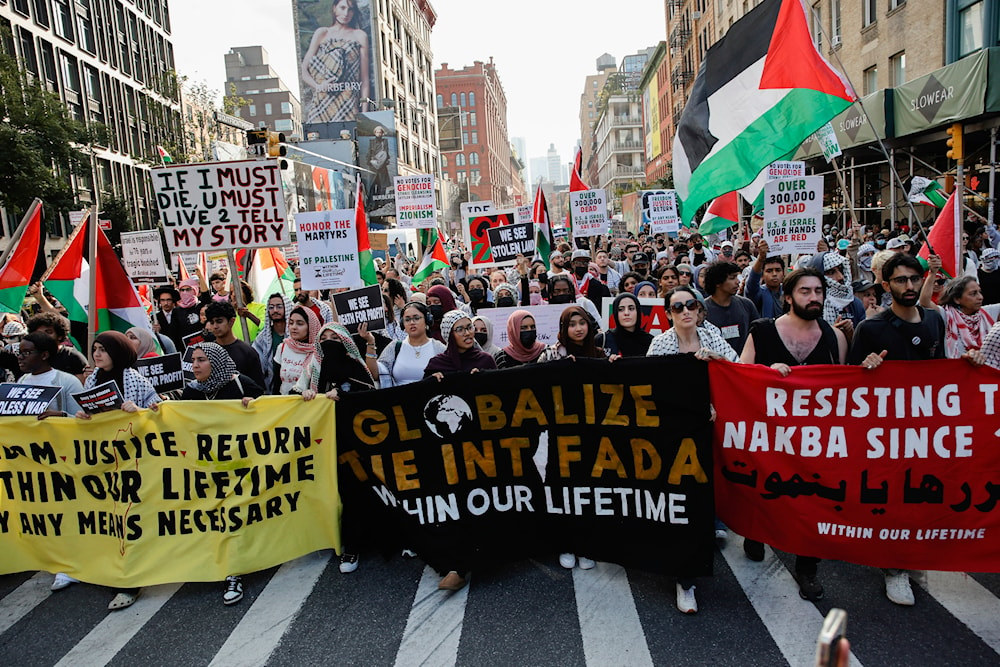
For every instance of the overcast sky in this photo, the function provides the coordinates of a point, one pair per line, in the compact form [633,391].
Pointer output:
[543,49]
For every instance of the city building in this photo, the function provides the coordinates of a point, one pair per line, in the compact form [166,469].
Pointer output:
[539,168]
[555,170]
[690,31]
[270,104]
[484,161]
[589,100]
[208,133]
[111,63]
[657,120]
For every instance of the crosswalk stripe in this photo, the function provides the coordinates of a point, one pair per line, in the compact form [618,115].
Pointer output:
[968,601]
[434,627]
[24,598]
[109,636]
[609,621]
[792,622]
[260,630]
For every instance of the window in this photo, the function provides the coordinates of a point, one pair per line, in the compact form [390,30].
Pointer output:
[64,19]
[283,125]
[474,177]
[871,80]
[85,26]
[255,91]
[473,158]
[28,56]
[444,161]
[454,100]
[817,25]
[286,107]
[472,99]
[268,109]
[475,137]
[869,11]
[834,23]
[460,160]
[897,65]
[894,4]
[440,101]
[252,109]
[461,176]
[970,27]
[41,11]
[472,119]
[462,99]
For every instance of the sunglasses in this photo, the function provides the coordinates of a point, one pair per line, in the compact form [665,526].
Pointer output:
[690,304]
[685,273]
[940,281]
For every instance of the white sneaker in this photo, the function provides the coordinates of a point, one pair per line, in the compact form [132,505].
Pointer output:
[721,534]
[585,563]
[568,561]
[897,588]
[62,581]
[686,601]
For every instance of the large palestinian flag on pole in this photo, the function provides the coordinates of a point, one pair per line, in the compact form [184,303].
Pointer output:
[25,260]
[543,227]
[761,91]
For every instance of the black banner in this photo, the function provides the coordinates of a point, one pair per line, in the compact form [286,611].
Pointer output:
[509,241]
[358,306]
[101,398]
[164,372]
[610,461]
[25,399]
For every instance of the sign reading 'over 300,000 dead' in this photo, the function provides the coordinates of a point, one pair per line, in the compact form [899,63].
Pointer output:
[221,205]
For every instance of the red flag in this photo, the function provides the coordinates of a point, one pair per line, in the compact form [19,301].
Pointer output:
[25,261]
[723,212]
[575,185]
[543,227]
[945,239]
[365,259]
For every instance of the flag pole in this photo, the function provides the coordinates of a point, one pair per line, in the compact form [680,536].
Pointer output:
[69,241]
[843,187]
[238,291]
[28,215]
[92,229]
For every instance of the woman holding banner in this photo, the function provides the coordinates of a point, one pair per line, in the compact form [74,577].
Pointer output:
[404,361]
[294,352]
[336,66]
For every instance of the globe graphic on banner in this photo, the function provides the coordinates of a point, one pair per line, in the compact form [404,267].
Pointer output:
[446,415]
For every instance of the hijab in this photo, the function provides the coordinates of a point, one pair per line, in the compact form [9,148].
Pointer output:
[307,346]
[488,347]
[122,353]
[514,347]
[630,343]
[588,348]
[188,299]
[337,361]
[223,368]
[447,305]
[147,344]
[452,360]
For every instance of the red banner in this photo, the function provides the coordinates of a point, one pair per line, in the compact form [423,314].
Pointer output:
[893,467]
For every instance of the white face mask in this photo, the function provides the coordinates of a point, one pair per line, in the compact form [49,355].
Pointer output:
[865,262]
[991,264]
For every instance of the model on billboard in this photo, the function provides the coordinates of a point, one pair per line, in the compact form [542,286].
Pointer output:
[378,162]
[336,67]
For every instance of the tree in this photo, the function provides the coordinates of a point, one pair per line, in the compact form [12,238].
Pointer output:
[200,127]
[43,145]
[117,210]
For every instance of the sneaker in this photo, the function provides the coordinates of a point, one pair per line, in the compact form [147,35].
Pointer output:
[348,563]
[409,553]
[897,588]
[585,563]
[452,581]
[721,535]
[568,561]
[754,550]
[233,592]
[62,581]
[686,602]
[809,588]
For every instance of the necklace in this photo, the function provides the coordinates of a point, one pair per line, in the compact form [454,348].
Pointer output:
[418,349]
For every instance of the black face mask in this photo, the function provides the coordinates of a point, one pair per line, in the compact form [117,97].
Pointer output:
[481,337]
[528,338]
[505,302]
[477,295]
[580,271]
[437,311]
[561,298]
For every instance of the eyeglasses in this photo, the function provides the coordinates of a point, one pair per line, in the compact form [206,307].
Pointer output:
[186,289]
[685,273]
[939,281]
[21,354]
[690,304]
[413,318]
[463,329]
[902,280]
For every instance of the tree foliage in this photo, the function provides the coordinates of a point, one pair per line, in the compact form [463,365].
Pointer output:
[42,144]
[118,211]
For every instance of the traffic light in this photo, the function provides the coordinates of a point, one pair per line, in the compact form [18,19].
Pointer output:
[955,142]
[257,143]
[274,144]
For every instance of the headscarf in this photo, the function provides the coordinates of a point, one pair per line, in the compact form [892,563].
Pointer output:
[445,295]
[306,346]
[119,348]
[990,260]
[588,349]
[452,360]
[223,368]
[695,272]
[188,299]
[865,254]
[638,286]
[327,370]
[514,347]
[509,287]
[964,332]
[630,343]
[489,348]
[267,325]
[147,344]
[838,295]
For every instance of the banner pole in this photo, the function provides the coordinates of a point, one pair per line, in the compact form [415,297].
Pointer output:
[238,291]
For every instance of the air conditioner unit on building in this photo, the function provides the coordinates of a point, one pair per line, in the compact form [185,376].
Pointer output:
[835,40]
[696,15]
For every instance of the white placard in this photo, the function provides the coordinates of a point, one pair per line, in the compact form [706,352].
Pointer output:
[524,214]
[415,206]
[785,169]
[142,254]
[221,205]
[663,213]
[546,320]
[328,249]
[76,217]
[589,209]
[793,212]
[827,139]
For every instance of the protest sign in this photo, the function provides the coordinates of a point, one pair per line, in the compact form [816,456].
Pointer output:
[663,217]
[827,139]
[472,209]
[546,318]
[189,342]
[654,315]
[524,213]
[142,254]
[221,205]
[359,306]
[793,213]
[509,241]
[574,457]
[101,398]
[785,169]
[476,229]
[415,205]
[893,467]
[328,249]
[164,373]
[589,209]
[25,399]
[195,491]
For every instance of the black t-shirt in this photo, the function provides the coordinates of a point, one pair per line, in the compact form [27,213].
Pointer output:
[904,341]
[247,360]
[770,349]
[69,360]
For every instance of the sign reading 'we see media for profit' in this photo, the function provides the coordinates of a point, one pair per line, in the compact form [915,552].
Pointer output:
[221,205]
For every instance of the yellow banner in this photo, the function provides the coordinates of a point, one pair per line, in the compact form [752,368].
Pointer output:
[195,492]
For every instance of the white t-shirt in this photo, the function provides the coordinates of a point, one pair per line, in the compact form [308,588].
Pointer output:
[409,367]
[292,364]
[67,383]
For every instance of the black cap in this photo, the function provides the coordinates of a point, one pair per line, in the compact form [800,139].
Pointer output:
[640,258]
[862,285]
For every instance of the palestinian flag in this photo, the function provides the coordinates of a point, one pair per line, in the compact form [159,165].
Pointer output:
[368,275]
[925,191]
[164,155]
[25,260]
[434,259]
[723,213]
[68,278]
[945,238]
[543,227]
[576,184]
[118,305]
[270,274]
[761,91]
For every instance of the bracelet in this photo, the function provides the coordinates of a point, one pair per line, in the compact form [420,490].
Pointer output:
[371,356]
